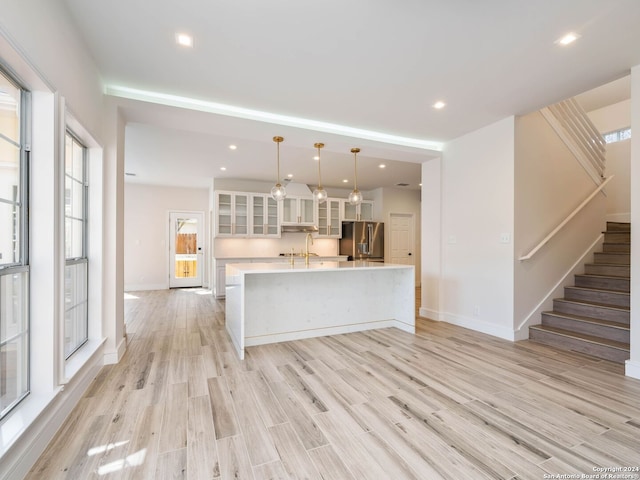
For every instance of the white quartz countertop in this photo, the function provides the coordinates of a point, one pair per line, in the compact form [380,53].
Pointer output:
[286,267]
[284,258]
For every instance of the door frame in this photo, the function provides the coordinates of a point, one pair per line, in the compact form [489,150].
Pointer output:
[201,244]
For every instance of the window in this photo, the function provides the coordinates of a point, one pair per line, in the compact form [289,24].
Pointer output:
[76,264]
[14,269]
[617,135]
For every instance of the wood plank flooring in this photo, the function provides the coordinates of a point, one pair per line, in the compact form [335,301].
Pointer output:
[446,403]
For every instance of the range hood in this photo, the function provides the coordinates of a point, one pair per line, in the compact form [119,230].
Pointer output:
[298,228]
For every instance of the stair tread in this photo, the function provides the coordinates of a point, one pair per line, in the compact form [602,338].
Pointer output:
[601,277]
[593,304]
[610,264]
[583,336]
[582,318]
[602,290]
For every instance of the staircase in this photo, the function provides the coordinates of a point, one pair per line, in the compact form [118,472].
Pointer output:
[594,315]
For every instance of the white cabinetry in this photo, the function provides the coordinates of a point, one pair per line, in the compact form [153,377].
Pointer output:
[298,211]
[232,214]
[265,216]
[364,211]
[329,222]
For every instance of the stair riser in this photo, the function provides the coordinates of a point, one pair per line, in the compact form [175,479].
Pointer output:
[615,258]
[602,331]
[591,311]
[620,299]
[565,343]
[610,270]
[617,237]
[618,227]
[619,284]
[616,248]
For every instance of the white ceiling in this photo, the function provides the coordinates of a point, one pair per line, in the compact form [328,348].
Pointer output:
[377,65]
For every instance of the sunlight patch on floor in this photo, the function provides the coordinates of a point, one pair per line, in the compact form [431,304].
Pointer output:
[132,460]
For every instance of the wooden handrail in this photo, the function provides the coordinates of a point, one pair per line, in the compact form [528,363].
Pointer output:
[565,221]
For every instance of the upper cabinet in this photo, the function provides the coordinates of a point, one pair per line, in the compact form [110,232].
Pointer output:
[265,216]
[329,221]
[364,211]
[246,214]
[298,211]
[240,214]
[232,214]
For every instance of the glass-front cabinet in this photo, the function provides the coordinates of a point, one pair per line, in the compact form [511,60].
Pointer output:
[298,211]
[232,214]
[364,211]
[265,216]
[329,222]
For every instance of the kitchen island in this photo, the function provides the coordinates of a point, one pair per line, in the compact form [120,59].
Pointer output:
[276,302]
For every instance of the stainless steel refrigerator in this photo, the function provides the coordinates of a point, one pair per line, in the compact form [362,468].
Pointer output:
[363,241]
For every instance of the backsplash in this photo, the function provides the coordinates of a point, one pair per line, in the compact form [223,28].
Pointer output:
[272,247]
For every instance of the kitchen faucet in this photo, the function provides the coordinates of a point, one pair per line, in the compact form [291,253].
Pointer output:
[306,248]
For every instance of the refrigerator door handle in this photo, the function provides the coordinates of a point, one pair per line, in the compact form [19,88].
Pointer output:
[370,238]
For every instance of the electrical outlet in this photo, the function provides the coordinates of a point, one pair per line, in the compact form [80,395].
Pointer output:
[505,238]
[452,240]
[476,311]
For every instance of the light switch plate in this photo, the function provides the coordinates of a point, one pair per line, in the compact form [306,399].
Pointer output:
[505,238]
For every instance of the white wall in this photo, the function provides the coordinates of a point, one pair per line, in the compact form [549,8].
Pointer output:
[45,34]
[608,119]
[476,287]
[431,239]
[549,185]
[146,230]
[633,365]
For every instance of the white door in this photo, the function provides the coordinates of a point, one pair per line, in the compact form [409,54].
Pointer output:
[402,239]
[185,249]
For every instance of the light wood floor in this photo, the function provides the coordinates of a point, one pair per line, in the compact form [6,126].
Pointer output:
[446,403]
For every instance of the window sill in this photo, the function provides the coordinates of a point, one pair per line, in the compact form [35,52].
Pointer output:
[22,417]
[81,358]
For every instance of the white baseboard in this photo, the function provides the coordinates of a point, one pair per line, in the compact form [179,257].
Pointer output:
[113,357]
[479,326]
[52,413]
[430,314]
[632,369]
[136,287]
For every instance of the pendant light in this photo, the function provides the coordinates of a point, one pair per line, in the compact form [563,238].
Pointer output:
[278,192]
[355,197]
[319,194]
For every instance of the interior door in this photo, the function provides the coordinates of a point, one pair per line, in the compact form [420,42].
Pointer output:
[402,239]
[185,249]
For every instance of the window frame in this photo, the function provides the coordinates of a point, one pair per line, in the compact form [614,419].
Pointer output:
[21,266]
[84,258]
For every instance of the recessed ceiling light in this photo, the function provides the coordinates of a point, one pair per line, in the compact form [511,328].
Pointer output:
[439,104]
[290,175]
[223,168]
[567,39]
[382,165]
[345,181]
[233,147]
[419,184]
[184,39]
